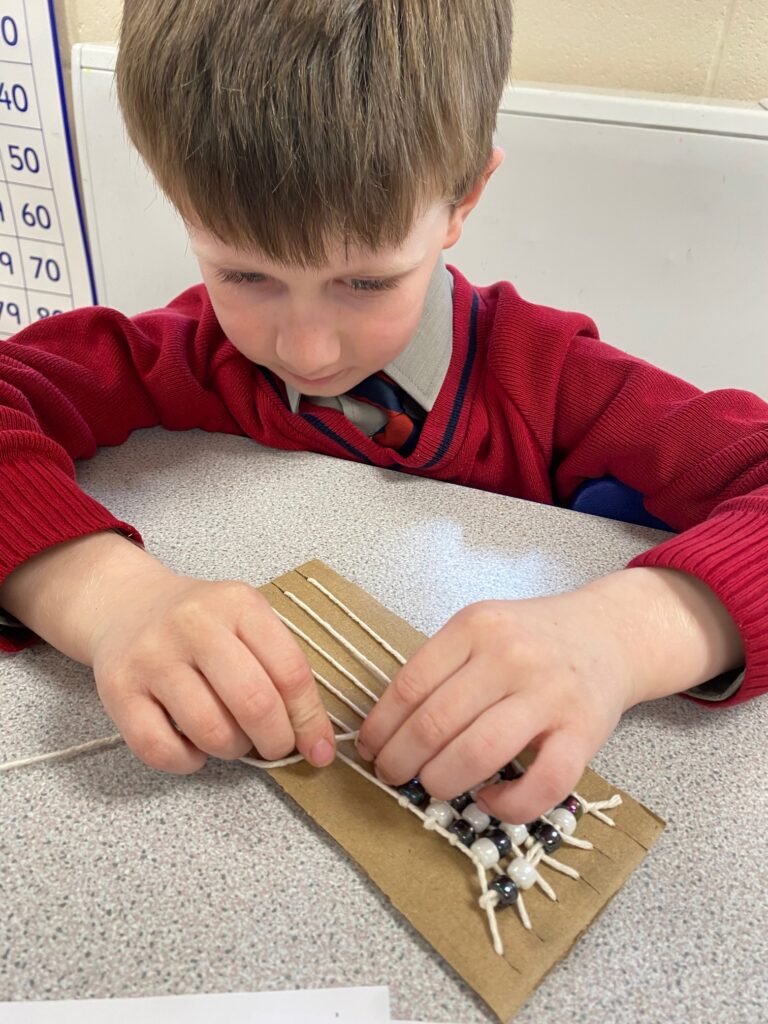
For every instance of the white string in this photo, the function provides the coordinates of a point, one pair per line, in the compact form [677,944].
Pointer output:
[597,806]
[338,721]
[328,657]
[489,904]
[558,865]
[355,618]
[356,654]
[107,741]
[60,755]
[337,693]
[294,758]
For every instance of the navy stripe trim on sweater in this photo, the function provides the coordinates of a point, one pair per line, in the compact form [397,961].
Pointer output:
[458,402]
[317,423]
[325,429]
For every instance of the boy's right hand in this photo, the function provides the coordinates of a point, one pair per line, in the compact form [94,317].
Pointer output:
[211,657]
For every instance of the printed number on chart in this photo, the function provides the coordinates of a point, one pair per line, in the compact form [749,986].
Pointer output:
[24,158]
[43,267]
[37,216]
[11,309]
[6,260]
[14,97]
[9,30]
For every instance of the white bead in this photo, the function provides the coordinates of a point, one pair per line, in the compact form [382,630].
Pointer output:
[563,820]
[522,872]
[478,819]
[517,833]
[485,851]
[440,812]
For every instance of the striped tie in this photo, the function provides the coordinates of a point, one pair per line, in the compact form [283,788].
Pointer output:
[399,432]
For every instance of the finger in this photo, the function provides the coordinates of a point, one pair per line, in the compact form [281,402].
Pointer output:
[148,732]
[438,659]
[239,682]
[554,773]
[489,743]
[443,716]
[191,701]
[285,665]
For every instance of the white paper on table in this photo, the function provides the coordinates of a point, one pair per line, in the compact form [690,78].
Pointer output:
[311,1006]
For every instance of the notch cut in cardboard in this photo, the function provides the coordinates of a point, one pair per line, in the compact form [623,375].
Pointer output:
[429,882]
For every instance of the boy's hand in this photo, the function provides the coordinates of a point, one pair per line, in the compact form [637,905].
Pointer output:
[214,659]
[210,657]
[552,673]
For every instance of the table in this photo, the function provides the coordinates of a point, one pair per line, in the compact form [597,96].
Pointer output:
[118,880]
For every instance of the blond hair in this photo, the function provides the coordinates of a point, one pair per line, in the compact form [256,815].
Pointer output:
[280,125]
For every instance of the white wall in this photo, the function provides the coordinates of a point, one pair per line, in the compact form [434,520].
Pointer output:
[651,217]
[696,47]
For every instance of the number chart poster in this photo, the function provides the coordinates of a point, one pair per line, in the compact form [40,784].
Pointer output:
[44,263]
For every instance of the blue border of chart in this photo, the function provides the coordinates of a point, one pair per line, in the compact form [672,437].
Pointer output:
[70,151]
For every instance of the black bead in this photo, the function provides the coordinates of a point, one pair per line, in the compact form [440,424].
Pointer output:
[500,840]
[510,772]
[463,831]
[414,792]
[507,890]
[460,803]
[547,835]
[573,804]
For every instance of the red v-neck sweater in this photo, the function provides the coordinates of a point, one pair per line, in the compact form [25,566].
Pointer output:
[533,405]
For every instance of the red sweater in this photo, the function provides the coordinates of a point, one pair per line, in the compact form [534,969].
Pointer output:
[533,405]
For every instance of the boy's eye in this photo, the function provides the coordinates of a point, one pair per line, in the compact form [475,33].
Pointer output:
[372,284]
[239,277]
[357,284]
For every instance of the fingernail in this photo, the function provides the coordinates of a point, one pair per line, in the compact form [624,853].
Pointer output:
[481,803]
[321,754]
[363,751]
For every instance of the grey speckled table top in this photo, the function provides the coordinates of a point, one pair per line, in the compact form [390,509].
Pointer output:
[116,880]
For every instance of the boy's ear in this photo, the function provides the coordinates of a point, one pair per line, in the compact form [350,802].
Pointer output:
[465,206]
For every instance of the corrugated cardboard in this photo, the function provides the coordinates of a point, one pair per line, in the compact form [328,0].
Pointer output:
[433,885]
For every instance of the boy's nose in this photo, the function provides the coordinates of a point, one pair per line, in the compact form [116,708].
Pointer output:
[308,353]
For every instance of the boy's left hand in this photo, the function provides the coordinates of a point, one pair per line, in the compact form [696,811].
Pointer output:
[554,674]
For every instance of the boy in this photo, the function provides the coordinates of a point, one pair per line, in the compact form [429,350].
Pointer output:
[323,154]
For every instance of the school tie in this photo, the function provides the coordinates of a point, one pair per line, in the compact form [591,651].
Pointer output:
[399,432]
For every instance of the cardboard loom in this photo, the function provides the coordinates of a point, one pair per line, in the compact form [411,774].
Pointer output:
[432,884]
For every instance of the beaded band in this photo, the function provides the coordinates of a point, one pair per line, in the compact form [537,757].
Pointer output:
[485,841]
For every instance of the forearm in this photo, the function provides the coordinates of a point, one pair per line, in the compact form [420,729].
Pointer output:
[62,593]
[675,631]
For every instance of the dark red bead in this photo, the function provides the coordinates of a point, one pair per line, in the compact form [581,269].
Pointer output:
[573,804]
[463,831]
[506,888]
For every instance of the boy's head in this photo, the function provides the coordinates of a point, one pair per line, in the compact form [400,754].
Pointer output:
[317,144]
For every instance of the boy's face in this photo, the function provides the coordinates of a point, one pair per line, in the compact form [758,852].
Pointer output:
[324,330]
